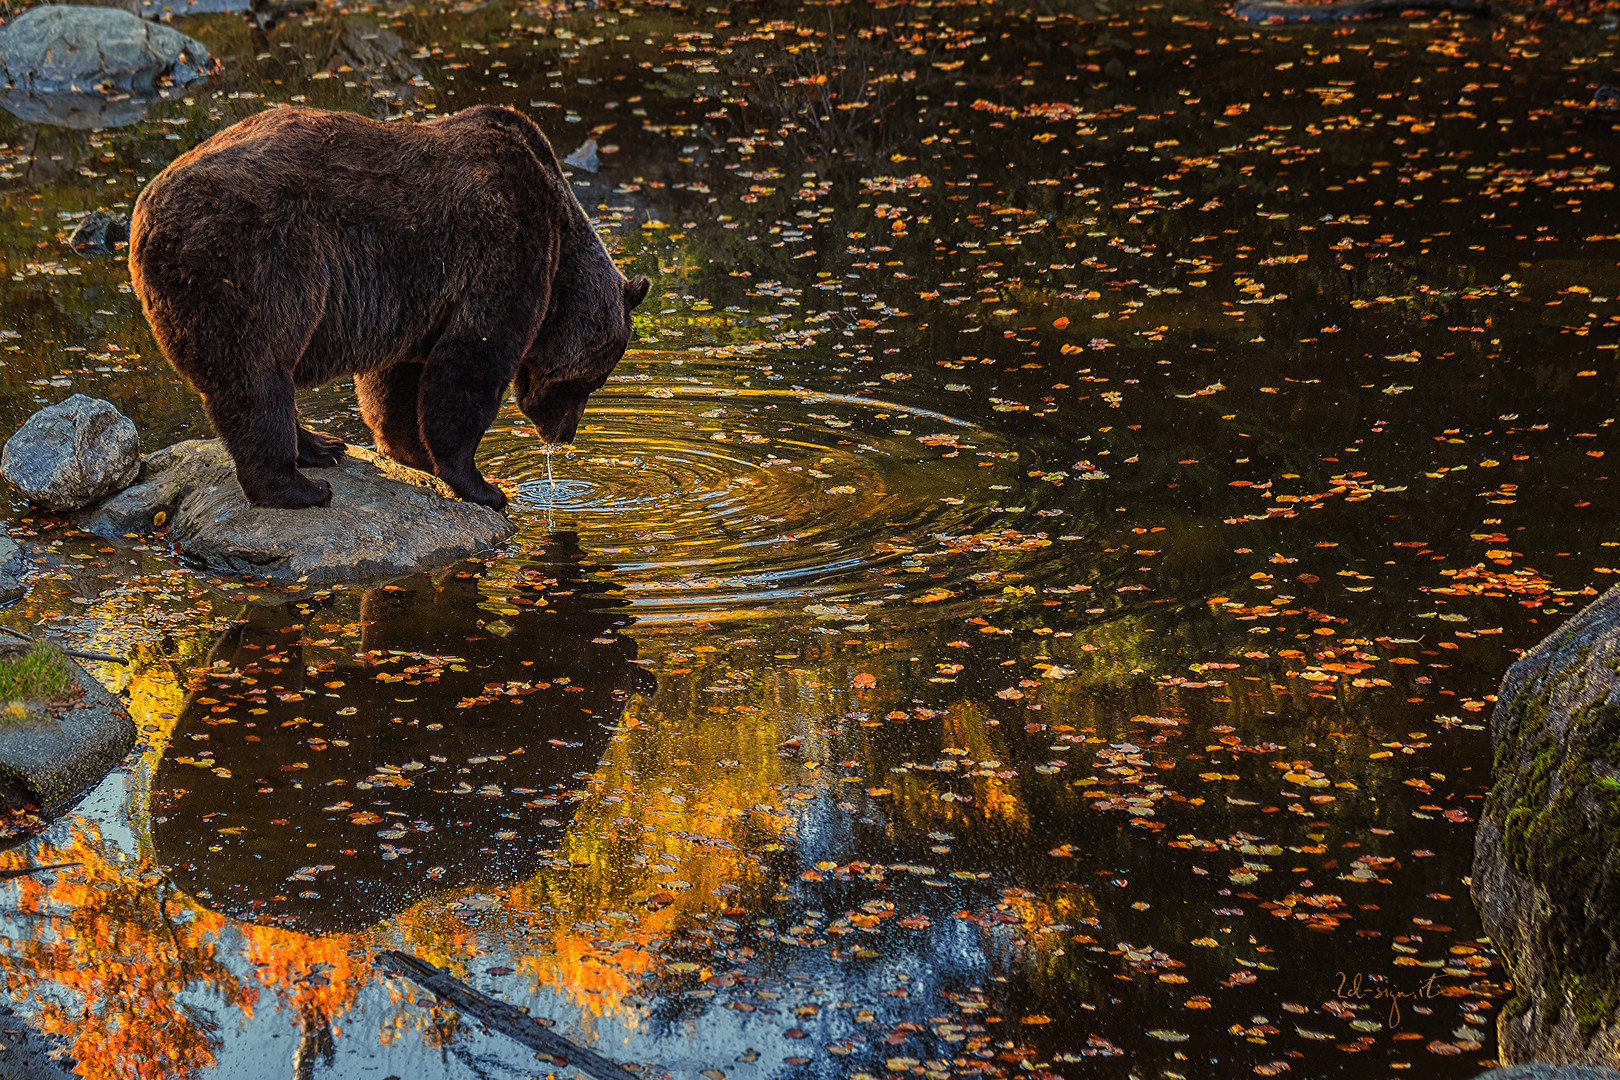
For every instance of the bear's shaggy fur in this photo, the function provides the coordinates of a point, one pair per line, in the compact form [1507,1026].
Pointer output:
[437,263]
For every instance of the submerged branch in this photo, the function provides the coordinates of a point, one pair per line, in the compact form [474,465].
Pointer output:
[77,654]
[24,871]
[499,1016]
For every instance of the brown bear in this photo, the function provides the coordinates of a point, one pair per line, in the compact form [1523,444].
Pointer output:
[437,263]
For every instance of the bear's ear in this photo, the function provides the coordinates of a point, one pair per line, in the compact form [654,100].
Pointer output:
[635,291]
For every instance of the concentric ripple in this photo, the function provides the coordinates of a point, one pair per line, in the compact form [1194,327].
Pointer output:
[711,497]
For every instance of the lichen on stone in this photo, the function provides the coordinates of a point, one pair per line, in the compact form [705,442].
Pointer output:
[1557,797]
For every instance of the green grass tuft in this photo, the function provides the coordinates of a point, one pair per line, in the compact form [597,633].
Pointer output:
[41,675]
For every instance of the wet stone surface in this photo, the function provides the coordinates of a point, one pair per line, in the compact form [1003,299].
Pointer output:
[385,518]
[1081,478]
[1540,877]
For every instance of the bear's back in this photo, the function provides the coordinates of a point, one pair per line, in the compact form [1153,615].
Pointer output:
[363,234]
[311,167]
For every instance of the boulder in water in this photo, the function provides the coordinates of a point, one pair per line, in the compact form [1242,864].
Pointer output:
[1550,1072]
[584,157]
[72,453]
[1546,876]
[57,47]
[100,232]
[55,747]
[86,67]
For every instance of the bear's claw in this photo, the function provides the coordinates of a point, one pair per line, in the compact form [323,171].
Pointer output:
[317,449]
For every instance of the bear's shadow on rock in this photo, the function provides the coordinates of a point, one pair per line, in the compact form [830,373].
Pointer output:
[297,802]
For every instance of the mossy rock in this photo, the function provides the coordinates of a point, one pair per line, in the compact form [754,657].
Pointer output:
[1550,1072]
[60,732]
[1547,855]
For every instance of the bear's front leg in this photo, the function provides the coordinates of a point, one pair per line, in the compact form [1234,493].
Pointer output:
[258,420]
[457,403]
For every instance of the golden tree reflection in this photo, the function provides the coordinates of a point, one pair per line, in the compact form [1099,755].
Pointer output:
[113,958]
[109,951]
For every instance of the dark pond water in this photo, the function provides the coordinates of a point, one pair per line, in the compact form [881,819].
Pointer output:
[1029,602]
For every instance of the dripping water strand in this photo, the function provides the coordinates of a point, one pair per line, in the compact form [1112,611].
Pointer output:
[551,491]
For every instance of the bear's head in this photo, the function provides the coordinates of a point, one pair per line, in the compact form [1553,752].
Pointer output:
[553,395]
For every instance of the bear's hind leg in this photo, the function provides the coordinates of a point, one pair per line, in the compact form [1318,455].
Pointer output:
[258,420]
[238,345]
[317,449]
[388,406]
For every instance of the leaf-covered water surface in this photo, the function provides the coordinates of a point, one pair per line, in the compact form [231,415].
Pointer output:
[1031,600]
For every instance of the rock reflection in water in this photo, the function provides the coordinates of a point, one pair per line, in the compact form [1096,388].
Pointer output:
[329,796]
[81,110]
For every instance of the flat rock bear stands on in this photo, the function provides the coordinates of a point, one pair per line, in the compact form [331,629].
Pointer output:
[437,263]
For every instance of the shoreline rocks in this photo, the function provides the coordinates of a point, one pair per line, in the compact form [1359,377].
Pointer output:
[385,519]
[33,1054]
[1546,876]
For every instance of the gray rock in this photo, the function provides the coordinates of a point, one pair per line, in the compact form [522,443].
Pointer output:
[385,60]
[55,47]
[131,6]
[171,474]
[585,157]
[12,565]
[1550,1072]
[11,557]
[132,511]
[385,518]
[70,454]
[1546,875]
[80,110]
[86,67]
[99,232]
[163,9]
[49,762]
